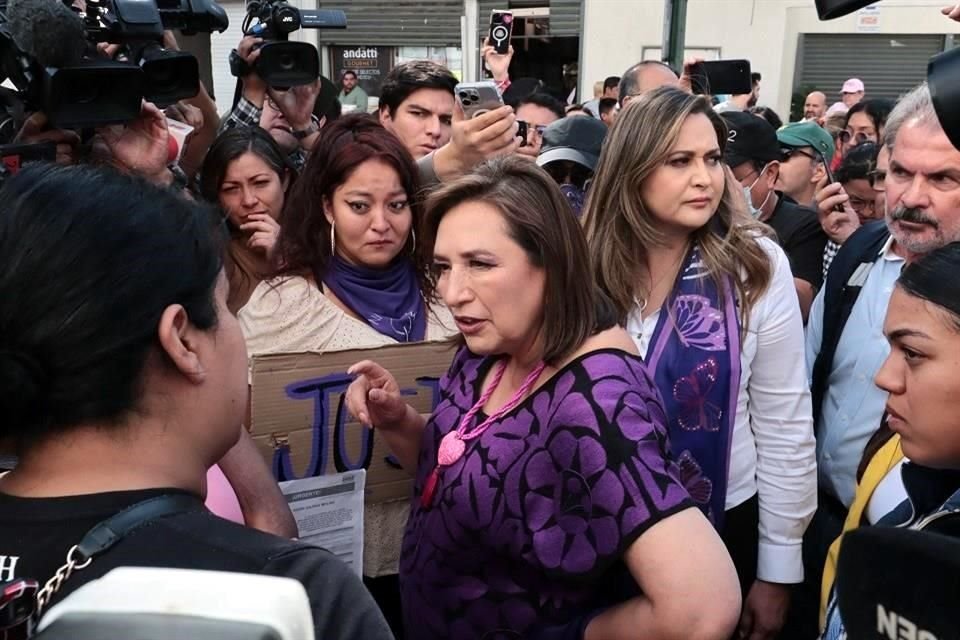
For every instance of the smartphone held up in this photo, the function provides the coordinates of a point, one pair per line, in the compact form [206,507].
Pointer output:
[501,28]
[719,77]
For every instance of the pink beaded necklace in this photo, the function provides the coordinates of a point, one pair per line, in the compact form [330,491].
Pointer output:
[454,444]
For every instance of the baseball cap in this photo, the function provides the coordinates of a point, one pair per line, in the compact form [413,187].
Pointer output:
[573,138]
[807,134]
[853,85]
[837,107]
[751,139]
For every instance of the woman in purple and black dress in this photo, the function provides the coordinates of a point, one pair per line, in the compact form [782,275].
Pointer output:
[545,502]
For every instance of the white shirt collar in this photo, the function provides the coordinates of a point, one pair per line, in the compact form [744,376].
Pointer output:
[886,252]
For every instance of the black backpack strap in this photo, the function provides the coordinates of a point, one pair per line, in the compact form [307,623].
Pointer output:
[106,534]
[847,275]
[109,532]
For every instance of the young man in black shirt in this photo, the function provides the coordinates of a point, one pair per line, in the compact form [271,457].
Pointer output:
[754,155]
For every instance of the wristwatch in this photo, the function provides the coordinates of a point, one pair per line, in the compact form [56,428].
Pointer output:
[305,133]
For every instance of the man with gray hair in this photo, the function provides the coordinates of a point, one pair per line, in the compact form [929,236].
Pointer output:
[845,342]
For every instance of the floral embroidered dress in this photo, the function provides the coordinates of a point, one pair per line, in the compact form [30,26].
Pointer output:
[527,530]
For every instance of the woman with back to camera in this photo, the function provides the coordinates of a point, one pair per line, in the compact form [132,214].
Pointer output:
[923,328]
[122,379]
[545,503]
[709,300]
[248,176]
[351,274]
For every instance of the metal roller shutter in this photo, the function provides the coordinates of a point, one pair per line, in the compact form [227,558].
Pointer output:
[565,17]
[889,65]
[398,23]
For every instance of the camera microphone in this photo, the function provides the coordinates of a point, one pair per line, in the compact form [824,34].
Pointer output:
[47,31]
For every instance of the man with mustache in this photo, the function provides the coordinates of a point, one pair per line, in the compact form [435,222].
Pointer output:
[845,342]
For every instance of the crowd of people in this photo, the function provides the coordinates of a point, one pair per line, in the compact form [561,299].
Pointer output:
[689,347]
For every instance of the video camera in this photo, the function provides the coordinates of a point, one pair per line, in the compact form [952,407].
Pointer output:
[283,64]
[59,71]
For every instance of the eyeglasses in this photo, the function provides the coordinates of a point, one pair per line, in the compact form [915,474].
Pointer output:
[859,205]
[788,152]
[536,128]
[858,138]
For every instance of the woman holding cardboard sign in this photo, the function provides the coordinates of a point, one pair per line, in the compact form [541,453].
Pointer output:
[352,275]
[546,504]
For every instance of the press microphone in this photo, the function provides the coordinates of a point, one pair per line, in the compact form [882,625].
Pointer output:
[897,583]
[48,31]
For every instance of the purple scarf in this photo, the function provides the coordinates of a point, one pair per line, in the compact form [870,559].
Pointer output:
[388,299]
[696,365]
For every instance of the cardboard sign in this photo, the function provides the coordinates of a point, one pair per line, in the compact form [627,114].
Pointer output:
[299,416]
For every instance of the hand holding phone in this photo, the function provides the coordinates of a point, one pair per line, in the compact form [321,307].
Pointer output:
[837,217]
[477,98]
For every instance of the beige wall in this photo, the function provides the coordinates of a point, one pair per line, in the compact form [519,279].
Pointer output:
[766,32]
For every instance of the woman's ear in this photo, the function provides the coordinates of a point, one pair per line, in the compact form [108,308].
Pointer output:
[328,210]
[177,337]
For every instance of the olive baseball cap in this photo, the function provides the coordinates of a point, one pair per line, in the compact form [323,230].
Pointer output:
[807,134]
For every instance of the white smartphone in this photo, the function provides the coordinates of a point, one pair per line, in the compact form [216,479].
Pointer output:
[477,98]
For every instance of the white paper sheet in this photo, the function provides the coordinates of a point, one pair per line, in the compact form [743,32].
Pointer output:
[329,513]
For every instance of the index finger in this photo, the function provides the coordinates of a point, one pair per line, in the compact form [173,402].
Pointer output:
[491,117]
[365,367]
[356,398]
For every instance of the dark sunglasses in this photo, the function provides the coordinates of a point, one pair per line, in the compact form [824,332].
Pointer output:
[789,152]
[860,138]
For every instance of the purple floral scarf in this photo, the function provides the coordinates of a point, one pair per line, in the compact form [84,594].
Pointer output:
[696,364]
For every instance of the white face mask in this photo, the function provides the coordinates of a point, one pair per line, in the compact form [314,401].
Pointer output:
[748,194]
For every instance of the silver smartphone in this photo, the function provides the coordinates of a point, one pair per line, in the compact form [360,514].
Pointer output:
[477,98]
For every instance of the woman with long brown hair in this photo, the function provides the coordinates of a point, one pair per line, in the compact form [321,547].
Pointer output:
[709,300]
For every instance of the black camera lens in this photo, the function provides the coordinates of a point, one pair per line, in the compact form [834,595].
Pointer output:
[463,95]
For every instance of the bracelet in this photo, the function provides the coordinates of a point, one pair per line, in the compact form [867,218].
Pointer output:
[504,84]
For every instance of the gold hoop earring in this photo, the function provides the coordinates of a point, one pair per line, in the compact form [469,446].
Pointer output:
[333,240]
[413,237]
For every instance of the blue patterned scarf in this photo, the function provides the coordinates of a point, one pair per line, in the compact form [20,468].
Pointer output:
[696,364]
[388,300]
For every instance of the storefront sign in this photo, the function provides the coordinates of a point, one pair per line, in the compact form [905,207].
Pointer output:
[371,64]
